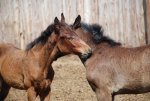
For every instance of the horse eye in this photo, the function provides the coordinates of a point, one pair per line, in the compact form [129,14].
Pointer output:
[62,37]
[70,38]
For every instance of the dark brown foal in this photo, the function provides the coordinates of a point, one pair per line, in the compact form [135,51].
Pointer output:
[113,69]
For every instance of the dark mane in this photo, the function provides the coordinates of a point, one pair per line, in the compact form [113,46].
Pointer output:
[98,34]
[42,39]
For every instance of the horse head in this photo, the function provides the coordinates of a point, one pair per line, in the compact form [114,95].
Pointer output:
[68,41]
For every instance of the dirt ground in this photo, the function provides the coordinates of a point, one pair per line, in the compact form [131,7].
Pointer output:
[70,84]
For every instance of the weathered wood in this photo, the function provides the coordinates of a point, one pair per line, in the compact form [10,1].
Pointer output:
[23,20]
[147,19]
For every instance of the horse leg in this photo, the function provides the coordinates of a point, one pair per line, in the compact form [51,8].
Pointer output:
[4,90]
[32,94]
[45,95]
[0,83]
[103,95]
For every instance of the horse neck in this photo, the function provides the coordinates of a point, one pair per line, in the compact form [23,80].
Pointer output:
[45,54]
[90,43]
[86,37]
[104,46]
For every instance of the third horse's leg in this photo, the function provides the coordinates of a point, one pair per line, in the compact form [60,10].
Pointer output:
[4,91]
[45,95]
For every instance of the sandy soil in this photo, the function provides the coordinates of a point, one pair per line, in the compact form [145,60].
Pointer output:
[70,84]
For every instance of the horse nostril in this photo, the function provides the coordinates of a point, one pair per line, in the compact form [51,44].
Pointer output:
[90,51]
[89,54]
[84,57]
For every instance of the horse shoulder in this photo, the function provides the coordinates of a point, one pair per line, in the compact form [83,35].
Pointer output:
[102,68]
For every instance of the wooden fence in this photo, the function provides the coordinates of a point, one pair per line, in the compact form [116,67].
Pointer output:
[126,21]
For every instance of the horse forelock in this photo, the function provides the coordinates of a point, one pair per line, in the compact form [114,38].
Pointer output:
[42,39]
[98,34]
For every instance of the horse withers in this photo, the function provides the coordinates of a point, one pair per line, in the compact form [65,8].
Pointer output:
[31,69]
[113,69]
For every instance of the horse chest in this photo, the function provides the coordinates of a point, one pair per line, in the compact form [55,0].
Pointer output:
[94,62]
[42,80]
[91,68]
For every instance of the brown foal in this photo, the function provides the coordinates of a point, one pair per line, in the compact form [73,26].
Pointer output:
[31,69]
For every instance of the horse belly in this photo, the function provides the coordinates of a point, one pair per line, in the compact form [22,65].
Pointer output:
[15,82]
[136,82]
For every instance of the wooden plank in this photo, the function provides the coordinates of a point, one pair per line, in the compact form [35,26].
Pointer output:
[80,8]
[123,20]
[148,20]
[87,10]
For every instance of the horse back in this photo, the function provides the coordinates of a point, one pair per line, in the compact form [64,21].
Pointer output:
[6,49]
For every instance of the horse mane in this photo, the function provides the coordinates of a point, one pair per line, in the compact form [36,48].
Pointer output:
[42,39]
[98,34]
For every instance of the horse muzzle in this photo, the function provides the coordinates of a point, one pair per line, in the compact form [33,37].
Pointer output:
[86,55]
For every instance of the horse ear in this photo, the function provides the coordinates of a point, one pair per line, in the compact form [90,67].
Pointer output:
[56,24]
[77,22]
[62,18]
[56,21]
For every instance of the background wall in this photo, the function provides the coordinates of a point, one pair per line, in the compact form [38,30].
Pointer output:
[126,21]
[23,20]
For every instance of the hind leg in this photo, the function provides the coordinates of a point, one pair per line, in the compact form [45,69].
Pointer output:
[45,95]
[4,90]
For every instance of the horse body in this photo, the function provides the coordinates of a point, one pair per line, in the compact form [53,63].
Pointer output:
[31,69]
[113,69]
[24,70]
[127,71]
[19,68]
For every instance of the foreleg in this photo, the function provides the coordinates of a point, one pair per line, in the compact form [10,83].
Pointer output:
[103,95]
[32,94]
